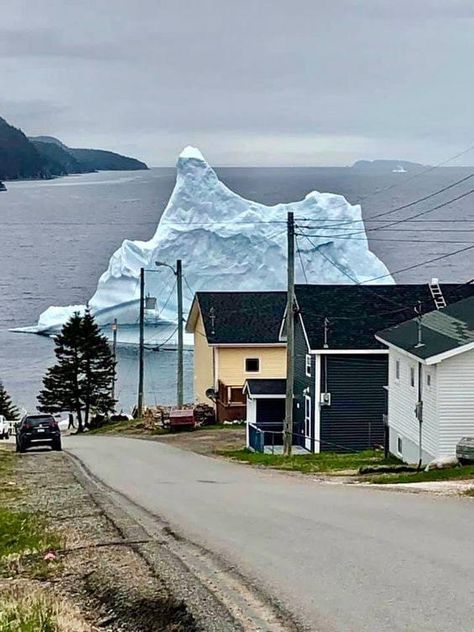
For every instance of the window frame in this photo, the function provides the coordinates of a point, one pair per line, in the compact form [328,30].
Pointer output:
[397,370]
[308,365]
[429,381]
[399,445]
[254,359]
[308,411]
[412,377]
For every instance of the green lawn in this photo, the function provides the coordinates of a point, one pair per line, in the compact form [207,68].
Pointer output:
[33,612]
[21,533]
[459,473]
[327,462]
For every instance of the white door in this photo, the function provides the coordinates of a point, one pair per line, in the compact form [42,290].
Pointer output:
[307,422]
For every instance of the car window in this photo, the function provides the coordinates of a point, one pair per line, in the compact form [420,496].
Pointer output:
[37,421]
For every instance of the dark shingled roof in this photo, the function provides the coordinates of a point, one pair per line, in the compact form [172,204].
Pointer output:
[264,386]
[357,312]
[242,317]
[441,330]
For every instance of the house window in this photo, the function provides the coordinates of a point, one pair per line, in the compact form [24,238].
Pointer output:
[397,369]
[307,416]
[400,446]
[428,380]
[308,365]
[252,365]
[412,376]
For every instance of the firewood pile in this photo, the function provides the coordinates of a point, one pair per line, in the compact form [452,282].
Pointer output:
[159,416]
[204,415]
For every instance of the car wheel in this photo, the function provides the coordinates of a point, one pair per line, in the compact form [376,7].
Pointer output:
[57,446]
[17,448]
[22,448]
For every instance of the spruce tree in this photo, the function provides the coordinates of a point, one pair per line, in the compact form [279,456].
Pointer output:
[7,408]
[81,379]
[98,369]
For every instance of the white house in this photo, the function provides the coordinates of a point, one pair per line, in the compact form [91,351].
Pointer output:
[431,382]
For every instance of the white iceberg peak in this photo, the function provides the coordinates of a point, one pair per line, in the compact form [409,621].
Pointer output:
[227,243]
[192,152]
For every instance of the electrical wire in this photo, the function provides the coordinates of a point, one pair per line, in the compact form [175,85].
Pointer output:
[384,276]
[423,263]
[301,260]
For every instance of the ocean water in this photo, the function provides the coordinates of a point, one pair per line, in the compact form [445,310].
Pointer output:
[56,238]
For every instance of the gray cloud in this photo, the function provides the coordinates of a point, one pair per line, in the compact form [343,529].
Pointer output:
[269,82]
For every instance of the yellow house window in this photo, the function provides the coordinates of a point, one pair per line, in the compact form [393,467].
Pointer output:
[252,365]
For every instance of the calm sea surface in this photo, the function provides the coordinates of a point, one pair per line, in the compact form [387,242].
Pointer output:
[56,239]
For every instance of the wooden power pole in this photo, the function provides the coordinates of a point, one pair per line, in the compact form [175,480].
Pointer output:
[179,286]
[114,355]
[290,339]
[141,348]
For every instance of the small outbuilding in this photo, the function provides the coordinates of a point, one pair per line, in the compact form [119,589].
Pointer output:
[265,412]
[431,382]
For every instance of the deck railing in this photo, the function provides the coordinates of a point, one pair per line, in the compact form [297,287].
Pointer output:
[256,438]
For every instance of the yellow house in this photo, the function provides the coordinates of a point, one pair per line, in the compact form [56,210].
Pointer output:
[236,338]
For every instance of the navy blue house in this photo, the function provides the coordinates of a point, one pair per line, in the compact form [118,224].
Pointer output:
[341,370]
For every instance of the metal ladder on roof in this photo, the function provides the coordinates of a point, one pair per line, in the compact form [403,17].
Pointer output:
[437,294]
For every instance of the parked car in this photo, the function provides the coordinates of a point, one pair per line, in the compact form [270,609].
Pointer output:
[4,427]
[38,430]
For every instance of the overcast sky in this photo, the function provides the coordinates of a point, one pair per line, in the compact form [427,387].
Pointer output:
[250,82]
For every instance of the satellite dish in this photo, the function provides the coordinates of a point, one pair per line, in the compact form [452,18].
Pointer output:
[211,394]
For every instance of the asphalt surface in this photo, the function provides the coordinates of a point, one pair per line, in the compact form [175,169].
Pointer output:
[339,557]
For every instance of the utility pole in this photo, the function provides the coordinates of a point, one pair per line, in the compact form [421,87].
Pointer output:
[290,338]
[178,272]
[114,355]
[141,350]
[179,286]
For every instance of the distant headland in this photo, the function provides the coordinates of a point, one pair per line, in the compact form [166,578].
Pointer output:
[387,166]
[44,157]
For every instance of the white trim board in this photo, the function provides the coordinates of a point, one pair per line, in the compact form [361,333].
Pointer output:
[258,396]
[349,351]
[240,345]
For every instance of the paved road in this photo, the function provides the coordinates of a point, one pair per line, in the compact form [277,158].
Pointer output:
[341,558]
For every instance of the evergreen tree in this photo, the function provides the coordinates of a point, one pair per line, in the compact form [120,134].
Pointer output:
[7,409]
[98,369]
[81,379]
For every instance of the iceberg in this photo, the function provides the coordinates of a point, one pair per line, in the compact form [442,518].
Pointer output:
[226,243]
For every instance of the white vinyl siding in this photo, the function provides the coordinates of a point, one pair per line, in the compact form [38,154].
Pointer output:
[455,401]
[402,400]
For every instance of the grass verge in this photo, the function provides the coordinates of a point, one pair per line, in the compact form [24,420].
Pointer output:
[455,473]
[37,611]
[325,462]
[24,536]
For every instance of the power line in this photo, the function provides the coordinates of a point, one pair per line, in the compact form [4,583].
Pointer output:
[435,208]
[396,222]
[426,197]
[423,263]
[395,241]
[384,276]
[419,174]
[301,259]
[361,199]
[350,277]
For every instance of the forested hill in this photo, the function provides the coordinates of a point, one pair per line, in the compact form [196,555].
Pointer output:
[19,158]
[45,157]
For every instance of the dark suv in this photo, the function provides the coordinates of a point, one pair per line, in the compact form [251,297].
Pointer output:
[37,430]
